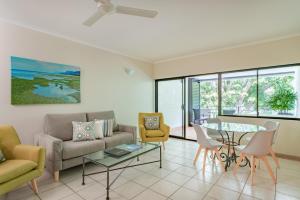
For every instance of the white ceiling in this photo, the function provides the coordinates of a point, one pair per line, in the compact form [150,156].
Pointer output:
[182,26]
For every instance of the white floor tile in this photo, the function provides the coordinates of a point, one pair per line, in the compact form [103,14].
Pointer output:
[56,193]
[149,195]
[76,184]
[176,178]
[223,194]
[146,180]
[184,193]
[160,173]
[164,187]
[73,197]
[129,189]
[198,185]
[92,192]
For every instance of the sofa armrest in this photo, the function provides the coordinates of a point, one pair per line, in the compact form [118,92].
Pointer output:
[54,148]
[29,152]
[128,129]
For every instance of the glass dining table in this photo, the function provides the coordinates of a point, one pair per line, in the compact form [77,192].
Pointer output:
[232,134]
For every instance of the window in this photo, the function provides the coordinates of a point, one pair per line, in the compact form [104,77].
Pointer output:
[238,94]
[270,92]
[278,92]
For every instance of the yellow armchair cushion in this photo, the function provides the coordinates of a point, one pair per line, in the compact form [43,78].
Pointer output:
[11,169]
[154,133]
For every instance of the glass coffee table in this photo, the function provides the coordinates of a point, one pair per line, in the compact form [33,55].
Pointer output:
[100,158]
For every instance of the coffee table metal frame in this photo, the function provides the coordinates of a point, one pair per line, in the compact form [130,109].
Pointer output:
[108,168]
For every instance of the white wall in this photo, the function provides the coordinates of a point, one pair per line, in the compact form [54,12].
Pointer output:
[104,84]
[285,51]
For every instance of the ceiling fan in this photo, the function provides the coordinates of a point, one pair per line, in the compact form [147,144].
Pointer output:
[106,7]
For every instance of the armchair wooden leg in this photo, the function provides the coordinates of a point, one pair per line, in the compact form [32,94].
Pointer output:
[274,157]
[204,161]
[34,186]
[197,155]
[56,176]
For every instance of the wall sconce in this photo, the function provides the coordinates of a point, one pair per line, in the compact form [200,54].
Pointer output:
[129,71]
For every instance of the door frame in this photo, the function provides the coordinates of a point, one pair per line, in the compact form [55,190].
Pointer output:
[183,106]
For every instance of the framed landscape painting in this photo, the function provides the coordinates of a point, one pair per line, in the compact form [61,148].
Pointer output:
[39,82]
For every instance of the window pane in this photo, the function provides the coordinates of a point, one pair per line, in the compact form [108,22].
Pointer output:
[279,90]
[202,101]
[239,90]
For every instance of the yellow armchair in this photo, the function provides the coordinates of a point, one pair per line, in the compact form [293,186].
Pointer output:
[23,162]
[160,135]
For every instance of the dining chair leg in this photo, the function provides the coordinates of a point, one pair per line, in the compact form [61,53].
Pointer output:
[197,155]
[204,161]
[274,157]
[265,160]
[254,165]
[252,169]
[242,156]
[219,158]
[213,156]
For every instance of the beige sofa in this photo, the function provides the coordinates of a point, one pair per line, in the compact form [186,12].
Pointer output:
[63,153]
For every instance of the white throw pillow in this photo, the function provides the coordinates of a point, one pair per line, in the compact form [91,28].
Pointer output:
[99,129]
[107,126]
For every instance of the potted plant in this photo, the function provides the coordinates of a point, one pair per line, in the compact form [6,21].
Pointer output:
[283,100]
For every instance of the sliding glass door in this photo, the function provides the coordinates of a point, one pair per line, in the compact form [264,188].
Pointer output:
[202,101]
[170,101]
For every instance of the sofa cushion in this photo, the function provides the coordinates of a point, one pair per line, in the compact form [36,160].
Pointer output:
[118,138]
[154,133]
[60,125]
[75,149]
[11,169]
[103,115]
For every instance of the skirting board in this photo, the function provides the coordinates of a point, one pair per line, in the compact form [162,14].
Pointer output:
[289,157]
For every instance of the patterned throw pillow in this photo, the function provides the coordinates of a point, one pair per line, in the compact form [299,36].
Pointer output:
[107,126]
[152,122]
[2,158]
[83,131]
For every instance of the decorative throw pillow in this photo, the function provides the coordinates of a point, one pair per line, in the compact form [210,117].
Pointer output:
[2,158]
[99,129]
[83,131]
[152,122]
[107,126]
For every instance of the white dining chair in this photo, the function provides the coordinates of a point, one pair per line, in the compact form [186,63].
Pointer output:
[273,126]
[258,148]
[206,144]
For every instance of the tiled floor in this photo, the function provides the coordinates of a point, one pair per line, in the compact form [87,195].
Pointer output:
[177,180]
[189,132]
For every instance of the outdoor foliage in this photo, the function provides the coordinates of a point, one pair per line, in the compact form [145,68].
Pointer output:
[240,94]
[282,100]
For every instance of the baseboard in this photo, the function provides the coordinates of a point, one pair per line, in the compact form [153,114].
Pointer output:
[289,157]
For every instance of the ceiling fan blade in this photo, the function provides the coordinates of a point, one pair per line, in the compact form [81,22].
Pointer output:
[95,17]
[136,11]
